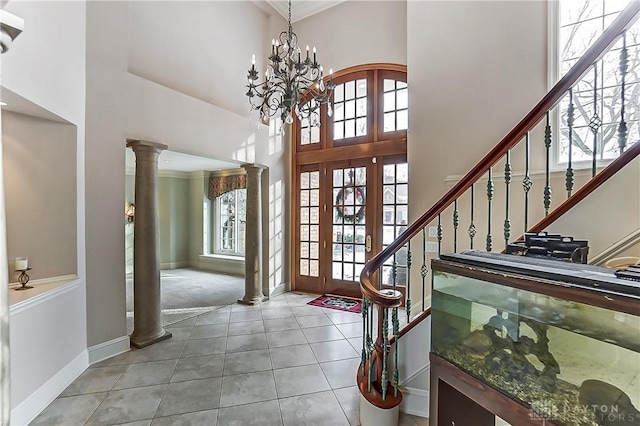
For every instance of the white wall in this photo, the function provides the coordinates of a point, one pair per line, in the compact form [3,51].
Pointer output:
[607,215]
[413,360]
[53,43]
[48,350]
[356,33]
[106,102]
[46,66]
[167,40]
[474,70]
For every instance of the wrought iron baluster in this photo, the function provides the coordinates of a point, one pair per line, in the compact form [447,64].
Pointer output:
[394,274]
[507,183]
[595,122]
[456,222]
[570,118]
[439,233]
[365,334]
[385,346]
[527,183]
[408,307]
[370,346]
[490,192]
[472,228]
[547,185]
[396,328]
[423,268]
[622,127]
[396,335]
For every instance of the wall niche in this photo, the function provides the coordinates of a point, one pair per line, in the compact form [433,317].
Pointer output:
[39,159]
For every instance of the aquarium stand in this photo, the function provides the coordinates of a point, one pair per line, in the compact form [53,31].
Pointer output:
[458,398]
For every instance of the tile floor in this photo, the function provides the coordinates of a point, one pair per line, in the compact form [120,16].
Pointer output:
[281,363]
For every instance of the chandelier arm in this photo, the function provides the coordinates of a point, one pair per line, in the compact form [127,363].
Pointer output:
[290,29]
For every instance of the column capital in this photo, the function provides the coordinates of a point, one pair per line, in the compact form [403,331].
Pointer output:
[139,143]
[253,166]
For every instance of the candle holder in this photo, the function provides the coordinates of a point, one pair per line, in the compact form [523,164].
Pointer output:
[23,279]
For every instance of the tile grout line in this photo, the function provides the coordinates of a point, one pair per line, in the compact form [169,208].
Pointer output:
[95,410]
[176,366]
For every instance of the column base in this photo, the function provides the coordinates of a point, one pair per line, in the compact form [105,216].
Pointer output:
[252,301]
[144,343]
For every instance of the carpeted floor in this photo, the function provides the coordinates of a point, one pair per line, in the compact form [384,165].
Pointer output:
[190,292]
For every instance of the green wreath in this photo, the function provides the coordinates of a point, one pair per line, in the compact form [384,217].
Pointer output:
[358,215]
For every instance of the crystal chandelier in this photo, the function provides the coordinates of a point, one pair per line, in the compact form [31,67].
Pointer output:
[294,83]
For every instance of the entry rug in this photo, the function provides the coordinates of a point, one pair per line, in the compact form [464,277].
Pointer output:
[337,302]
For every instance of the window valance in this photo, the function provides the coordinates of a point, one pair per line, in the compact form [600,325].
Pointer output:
[218,185]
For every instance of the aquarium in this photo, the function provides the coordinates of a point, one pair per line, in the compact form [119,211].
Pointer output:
[537,337]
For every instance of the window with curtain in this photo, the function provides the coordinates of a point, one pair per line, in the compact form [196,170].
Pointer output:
[230,217]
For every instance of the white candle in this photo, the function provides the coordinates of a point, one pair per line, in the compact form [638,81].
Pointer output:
[22,263]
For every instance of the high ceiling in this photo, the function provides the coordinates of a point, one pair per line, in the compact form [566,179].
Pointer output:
[301,9]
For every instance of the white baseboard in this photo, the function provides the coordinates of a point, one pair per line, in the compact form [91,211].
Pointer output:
[175,265]
[425,368]
[33,405]
[415,402]
[105,350]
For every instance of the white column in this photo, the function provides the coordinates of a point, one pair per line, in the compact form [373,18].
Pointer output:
[253,237]
[147,313]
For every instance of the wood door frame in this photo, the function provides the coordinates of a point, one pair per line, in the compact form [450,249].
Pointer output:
[375,145]
[393,159]
[312,284]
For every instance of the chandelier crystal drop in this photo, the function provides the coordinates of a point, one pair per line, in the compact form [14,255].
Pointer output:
[294,82]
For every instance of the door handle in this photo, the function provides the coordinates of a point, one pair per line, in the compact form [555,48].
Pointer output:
[367,243]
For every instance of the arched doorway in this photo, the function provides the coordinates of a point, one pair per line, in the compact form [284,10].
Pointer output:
[350,178]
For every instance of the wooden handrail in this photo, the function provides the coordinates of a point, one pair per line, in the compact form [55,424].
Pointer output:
[390,299]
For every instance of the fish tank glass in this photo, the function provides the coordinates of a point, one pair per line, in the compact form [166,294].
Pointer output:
[571,363]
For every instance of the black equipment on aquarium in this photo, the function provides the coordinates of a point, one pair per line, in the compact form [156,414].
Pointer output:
[550,246]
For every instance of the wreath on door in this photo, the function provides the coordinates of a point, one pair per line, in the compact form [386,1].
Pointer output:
[346,206]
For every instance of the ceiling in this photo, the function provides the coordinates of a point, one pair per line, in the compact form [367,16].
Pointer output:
[301,9]
[180,162]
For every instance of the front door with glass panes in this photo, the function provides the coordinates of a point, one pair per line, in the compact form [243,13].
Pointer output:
[351,183]
[349,211]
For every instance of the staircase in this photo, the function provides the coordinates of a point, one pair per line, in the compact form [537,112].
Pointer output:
[488,198]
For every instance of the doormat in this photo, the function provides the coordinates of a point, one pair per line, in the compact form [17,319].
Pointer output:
[339,303]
